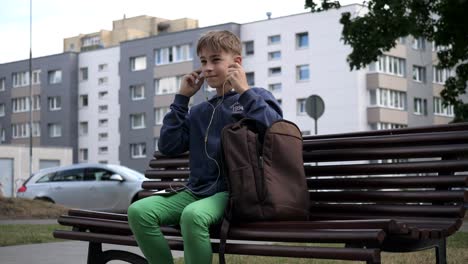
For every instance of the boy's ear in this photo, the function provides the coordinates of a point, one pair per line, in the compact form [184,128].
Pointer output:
[238,59]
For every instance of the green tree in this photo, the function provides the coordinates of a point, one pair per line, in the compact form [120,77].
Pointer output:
[443,21]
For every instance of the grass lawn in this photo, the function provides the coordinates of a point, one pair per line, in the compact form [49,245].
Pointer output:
[27,234]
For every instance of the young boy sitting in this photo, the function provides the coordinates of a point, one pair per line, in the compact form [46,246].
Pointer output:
[201,203]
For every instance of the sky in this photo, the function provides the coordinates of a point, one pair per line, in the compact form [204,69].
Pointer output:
[54,20]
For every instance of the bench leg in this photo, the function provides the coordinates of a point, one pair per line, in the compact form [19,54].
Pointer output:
[94,253]
[97,256]
[441,251]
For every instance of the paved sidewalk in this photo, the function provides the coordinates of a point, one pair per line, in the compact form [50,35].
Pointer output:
[70,252]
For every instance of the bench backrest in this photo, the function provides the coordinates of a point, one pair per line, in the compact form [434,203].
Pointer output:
[405,173]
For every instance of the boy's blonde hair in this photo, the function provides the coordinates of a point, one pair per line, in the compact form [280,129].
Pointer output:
[218,40]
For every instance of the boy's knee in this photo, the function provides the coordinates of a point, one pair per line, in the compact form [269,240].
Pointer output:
[191,216]
[134,212]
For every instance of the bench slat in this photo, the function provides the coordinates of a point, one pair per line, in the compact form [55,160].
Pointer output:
[386,210]
[390,196]
[386,140]
[388,168]
[374,153]
[163,174]
[440,181]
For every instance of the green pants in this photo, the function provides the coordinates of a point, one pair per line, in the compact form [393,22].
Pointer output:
[194,214]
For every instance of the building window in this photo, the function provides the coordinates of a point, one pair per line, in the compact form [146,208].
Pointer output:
[84,100]
[36,129]
[382,126]
[302,73]
[274,71]
[419,73]
[420,106]
[250,78]
[36,102]
[418,43]
[274,55]
[159,114]
[280,102]
[84,154]
[137,92]
[83,74]
[55,76]
[276,39]
[91,41]
[103,122]
[440,75]
[20,130]
[103,136]
[83,129]
[302,40]
[249,48]
[20,79]
[388,98]
[173,54]
[2,109]
[168,85]
[102,67]
[55,130]
[440,110]
[21,104]
[183,52]
[103,95]
[103,109]
[390,65]
[2,84]
[138,150]
[137,121]
[138,63]
[3,136]
[103,81]
[301,106]
[103,150]
[36,77]
[275,87]
[55,103]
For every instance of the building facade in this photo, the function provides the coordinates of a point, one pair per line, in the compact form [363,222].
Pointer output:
[54,102]
[110,102]
[98,106]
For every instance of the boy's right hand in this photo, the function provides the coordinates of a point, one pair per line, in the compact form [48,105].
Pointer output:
[191,83]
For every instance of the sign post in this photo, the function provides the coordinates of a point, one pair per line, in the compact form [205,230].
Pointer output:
[315,108]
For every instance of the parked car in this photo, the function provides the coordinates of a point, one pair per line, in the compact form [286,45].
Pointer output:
[101,187]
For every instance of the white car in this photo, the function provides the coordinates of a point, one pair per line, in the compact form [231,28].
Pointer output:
[100,187]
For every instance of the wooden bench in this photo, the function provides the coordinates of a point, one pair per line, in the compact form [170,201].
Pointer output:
[397,190]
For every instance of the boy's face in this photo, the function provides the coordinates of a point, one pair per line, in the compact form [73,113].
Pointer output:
[215,65]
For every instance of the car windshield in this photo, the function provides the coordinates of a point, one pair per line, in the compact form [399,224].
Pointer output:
[127,170]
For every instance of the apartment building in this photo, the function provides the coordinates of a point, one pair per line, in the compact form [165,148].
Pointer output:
[54,102]
[127,29]
[113,100]
[98,106]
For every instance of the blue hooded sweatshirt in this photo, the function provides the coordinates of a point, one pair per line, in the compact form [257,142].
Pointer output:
[185,131]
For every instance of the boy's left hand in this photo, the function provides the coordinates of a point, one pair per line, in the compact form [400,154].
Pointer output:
[237,78]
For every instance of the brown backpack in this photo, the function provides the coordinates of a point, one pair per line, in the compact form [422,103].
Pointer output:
[265,174]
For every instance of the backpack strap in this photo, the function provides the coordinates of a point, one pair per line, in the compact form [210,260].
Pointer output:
[222,240]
